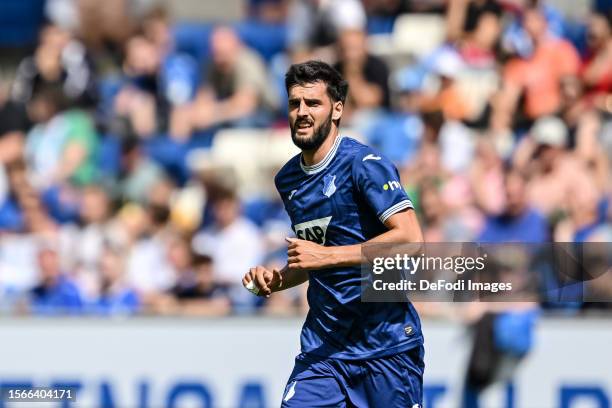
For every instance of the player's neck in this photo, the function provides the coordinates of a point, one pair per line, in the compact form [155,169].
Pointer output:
[312,157]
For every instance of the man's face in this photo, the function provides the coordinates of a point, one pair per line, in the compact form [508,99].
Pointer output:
[515,194]
[310,115]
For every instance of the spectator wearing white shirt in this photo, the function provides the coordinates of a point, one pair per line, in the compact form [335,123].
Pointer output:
[233,241]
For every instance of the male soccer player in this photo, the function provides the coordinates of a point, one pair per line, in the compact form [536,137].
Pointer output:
[340,194]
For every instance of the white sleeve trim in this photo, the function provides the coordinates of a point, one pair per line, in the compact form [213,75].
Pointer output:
[402,205]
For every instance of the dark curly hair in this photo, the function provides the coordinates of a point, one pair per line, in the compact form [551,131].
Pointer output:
[314,71]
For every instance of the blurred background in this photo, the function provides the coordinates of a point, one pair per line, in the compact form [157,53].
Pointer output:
[138,144]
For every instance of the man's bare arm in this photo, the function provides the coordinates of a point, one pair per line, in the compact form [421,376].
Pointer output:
[403,228]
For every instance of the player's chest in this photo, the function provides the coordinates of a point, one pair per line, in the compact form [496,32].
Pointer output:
[330,194]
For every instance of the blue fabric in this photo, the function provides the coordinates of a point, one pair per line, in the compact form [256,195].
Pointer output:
[380,24]
[193,39]
[513,331]
[172,154]
[397,136]
[529,227]
[344,200]
[109,156]
[11,217]
[603,6]
[395,381]
[62,204]
[179,78]
[266,38]
[63,297]
[262,210]
[124,302]
[20,21]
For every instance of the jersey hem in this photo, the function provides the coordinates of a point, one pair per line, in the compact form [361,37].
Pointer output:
[400,348]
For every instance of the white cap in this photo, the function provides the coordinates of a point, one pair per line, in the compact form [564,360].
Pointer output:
[551,131]
[347,15]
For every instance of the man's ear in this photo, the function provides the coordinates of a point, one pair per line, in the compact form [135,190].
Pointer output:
[338,108]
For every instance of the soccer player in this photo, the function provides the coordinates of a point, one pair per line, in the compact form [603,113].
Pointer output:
[339,195]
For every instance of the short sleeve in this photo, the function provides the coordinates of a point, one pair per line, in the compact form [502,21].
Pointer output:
[378,182]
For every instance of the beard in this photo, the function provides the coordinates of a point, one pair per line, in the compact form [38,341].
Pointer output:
[319,135]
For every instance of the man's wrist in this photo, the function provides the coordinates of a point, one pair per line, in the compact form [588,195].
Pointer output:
[343,256]
[278,284]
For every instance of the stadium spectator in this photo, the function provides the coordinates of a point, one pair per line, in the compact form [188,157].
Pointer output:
[236,90]
[475,26]
[198,292]
[233,242]
[314,24]
[84,242]
[139,102]
[537,77]
[11,209]
[587,213]
[115,297]
[486,176]
[62,145]
[367,75]
[517,222]
[177,77]
[268,11]
[465,17]
[138,173]
[105,27]
[56,292]
[597,71]
[554,170]
[148,269]
[59,60]
[447,65]
[398,134]
[13,126]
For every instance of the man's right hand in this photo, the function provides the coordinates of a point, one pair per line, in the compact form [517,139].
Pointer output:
[267,281]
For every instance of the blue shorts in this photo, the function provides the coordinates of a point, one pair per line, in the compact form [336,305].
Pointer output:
[387,382]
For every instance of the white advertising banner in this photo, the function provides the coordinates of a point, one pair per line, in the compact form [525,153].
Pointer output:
[245,362]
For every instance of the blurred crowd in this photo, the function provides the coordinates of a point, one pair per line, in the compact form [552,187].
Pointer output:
[502,132]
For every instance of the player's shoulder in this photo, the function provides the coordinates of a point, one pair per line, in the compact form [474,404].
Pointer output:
[360,153]
[288,171]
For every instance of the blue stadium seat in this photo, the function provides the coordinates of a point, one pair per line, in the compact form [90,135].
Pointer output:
[20,21]
[267,39]
[193,39]
[380,24]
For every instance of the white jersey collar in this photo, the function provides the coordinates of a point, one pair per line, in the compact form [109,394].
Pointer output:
[315,168]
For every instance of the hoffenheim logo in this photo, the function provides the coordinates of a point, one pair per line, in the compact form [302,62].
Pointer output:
[329,187]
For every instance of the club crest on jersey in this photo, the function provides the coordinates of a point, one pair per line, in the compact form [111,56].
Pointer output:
[314,230]
[329,185]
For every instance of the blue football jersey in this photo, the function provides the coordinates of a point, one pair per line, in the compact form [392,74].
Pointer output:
[344,200]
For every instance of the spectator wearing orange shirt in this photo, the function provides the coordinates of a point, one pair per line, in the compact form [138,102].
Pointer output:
[538,77]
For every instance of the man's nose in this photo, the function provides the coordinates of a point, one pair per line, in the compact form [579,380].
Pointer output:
[302,109]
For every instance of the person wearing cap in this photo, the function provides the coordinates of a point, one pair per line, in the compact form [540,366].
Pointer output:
[553,170]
